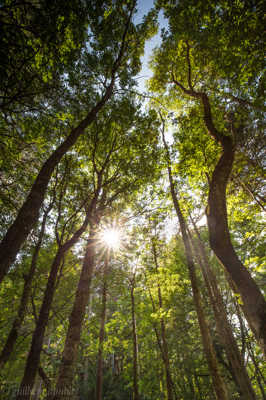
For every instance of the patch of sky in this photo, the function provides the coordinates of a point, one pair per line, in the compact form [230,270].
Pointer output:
[144,6]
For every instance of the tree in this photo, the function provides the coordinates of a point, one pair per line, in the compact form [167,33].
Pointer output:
[166,321]
[28,214]
[218,382]
[196,80]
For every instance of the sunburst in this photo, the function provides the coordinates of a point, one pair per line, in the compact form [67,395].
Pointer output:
[111,237]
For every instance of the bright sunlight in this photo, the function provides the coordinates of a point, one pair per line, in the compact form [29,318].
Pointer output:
[112,238]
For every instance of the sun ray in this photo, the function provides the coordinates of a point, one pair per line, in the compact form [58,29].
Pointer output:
[111,237]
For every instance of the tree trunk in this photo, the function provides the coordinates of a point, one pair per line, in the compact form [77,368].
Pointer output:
[99,378]
[224,329]
[38,387]
[164,347]
[260,378]
[38,335]
[218,383]
[29,212]
[13,334]
[135,344]
[33,359]
[70,353]
[254,305]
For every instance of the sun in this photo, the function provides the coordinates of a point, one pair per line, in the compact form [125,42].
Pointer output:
[112,238]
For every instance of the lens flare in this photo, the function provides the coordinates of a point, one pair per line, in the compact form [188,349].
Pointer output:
[111,238]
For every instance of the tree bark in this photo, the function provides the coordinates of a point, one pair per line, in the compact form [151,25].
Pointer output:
[224,329]
[135,342]
[13,334]
[70,353]
[218,383]
[33,359]
[99,378]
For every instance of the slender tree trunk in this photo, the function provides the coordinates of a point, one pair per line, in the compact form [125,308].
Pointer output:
[70,353]
[99,378]
[164,347]
[164,356]
[254,304]
[260,378]
[29,212]
[218,383]
[135,343]
[13,334]
[224,329]
[33,359]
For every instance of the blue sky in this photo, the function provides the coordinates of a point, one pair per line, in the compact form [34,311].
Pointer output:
[144,7]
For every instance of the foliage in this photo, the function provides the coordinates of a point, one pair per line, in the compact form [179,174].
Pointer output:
[59,59]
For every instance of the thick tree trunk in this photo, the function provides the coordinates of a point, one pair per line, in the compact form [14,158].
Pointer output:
[70,353]
[99,376]
[13,334]
[254,304]
[224,329]
[33,359]
[218,383]
[135,343]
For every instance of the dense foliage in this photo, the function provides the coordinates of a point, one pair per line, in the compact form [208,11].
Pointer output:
[175,309]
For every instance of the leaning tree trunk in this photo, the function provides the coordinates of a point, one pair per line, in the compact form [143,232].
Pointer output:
[33,359]
[260,378]
[218,383]
[13,334]
[67,367]
[99,376]
[254,304]
[29,212]
[224,329]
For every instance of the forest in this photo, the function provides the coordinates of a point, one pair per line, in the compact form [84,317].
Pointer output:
[132,208]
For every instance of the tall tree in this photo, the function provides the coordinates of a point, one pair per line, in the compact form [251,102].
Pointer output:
[115,60]
[195,83]
[218,382]
[118,180]
[64,243]
[224,329]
